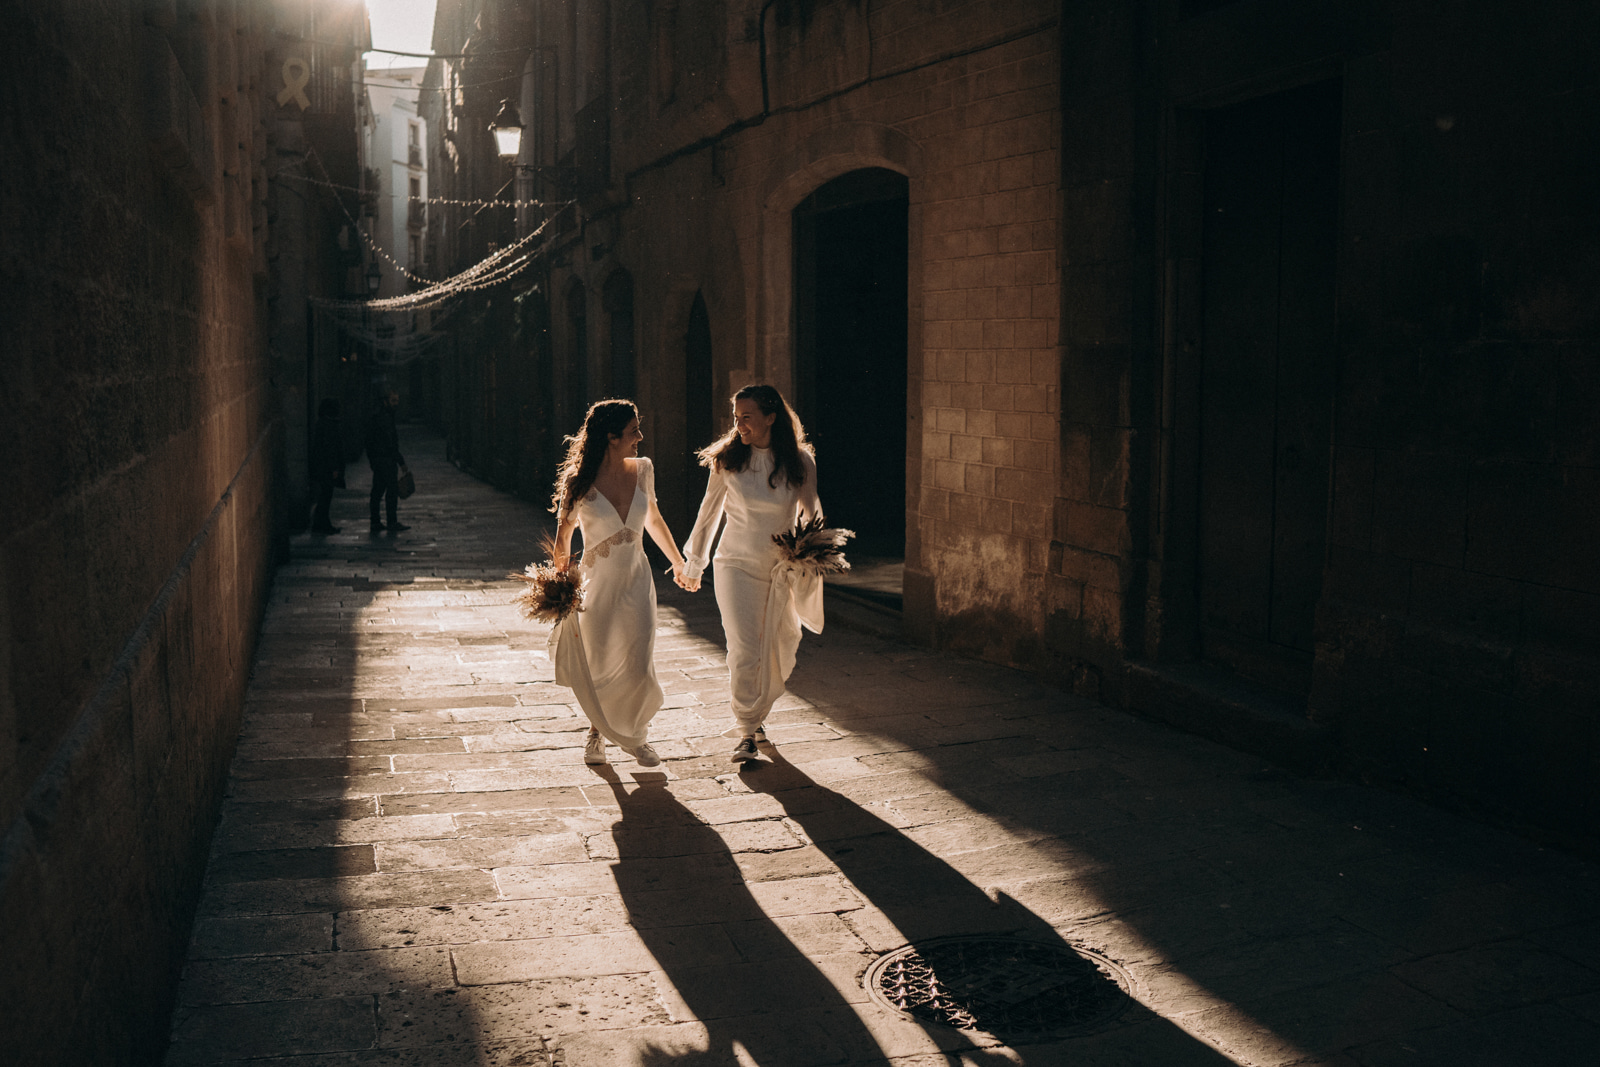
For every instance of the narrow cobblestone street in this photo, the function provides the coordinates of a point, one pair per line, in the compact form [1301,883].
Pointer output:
[415,867]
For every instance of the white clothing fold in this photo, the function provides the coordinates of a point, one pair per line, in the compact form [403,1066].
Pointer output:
[606,653]
[754,510]
[764,602]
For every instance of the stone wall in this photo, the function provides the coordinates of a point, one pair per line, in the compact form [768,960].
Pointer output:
[1394,582]
[710,151]
[134,552]
[1454,649]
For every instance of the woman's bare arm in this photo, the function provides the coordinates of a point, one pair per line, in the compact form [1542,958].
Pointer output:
[659,532]
[564,529]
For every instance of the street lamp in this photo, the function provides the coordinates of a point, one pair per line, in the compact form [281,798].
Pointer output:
[374,278]
[507,130]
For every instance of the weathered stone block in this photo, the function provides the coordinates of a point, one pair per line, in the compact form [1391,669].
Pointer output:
[239,1031]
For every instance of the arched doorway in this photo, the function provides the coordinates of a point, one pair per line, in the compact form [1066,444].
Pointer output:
[700,405]
[850,259]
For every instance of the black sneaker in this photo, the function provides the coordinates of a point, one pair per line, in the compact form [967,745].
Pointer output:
[396,527]
[377,527]
[744,751]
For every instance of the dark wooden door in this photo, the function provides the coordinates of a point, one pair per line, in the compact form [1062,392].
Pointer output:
[1267,376]
[850,240]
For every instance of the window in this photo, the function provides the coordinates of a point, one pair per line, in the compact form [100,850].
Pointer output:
[416,210]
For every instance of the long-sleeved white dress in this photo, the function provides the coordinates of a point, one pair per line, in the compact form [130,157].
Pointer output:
[606,652]
[763,605]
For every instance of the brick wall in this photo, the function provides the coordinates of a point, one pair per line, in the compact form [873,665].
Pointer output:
[135,547]
[990,366]
[964,101]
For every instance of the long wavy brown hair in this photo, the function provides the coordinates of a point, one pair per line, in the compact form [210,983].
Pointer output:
[587,448]
[728,453]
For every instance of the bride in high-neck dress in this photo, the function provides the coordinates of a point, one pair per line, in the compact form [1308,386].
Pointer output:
[763,479]
[605,653]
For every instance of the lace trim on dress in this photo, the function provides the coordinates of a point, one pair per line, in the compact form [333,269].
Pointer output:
[621,537]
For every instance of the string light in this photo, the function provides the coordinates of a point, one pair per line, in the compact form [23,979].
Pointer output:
[499,267]
[421,200]
[390,350]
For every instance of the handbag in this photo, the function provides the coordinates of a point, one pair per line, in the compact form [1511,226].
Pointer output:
[406,485]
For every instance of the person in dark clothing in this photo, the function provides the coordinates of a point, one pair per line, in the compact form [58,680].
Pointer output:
[383,456]
[327,464]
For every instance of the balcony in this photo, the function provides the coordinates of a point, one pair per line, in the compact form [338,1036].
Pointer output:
[414,155]
[416,214]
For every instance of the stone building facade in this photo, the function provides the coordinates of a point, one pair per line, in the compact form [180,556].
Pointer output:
[394,149]
[1329,392]
[719,165]
[1227,360]
[146,259]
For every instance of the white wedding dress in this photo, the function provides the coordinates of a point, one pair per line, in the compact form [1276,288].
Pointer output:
[763,605]
[606,652]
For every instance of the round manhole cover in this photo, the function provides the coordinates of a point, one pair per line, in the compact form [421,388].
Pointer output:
[1001,985]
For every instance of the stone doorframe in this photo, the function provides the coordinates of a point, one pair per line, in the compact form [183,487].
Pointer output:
[795,175]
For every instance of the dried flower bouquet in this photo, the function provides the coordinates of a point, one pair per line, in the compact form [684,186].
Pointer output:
[552,593]
[813,548]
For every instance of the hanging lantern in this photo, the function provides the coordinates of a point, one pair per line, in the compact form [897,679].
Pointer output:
[507,129]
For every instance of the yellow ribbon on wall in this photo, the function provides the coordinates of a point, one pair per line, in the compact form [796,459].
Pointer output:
[296,76]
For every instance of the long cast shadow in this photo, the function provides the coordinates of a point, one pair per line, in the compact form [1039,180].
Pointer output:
[925,898]
[734,969]
[266,974]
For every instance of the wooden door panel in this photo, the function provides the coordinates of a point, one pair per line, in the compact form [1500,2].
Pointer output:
[1307,252]
[1240,282]
[1269,233]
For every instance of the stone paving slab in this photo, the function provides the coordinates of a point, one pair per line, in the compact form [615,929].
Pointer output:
[415,867]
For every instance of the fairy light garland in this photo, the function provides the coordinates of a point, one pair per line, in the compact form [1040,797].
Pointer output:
[498,267]
[366,239]
[374,247]
[448,201]
[393,350]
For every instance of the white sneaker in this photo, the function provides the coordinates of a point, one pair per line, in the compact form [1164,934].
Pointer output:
[594,750]
[646,756]
[739,731]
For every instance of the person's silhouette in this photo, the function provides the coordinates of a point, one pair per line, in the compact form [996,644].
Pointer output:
[736,971]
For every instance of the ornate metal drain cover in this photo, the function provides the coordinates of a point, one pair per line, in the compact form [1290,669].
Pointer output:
[1001,985]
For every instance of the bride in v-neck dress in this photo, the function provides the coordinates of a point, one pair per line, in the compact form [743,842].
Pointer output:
[605,653]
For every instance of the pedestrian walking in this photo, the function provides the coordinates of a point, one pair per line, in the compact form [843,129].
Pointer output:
[606,653]
[763,478]
[383,456]
[327,464]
